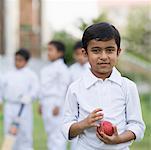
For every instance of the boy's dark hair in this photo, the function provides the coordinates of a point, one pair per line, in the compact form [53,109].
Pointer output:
[59,45]
[24,53]
[101,32]
[78,45]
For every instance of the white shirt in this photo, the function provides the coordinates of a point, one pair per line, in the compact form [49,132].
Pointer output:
[119,99]
[0,88]
[77,70]
[54,82]
[18,83]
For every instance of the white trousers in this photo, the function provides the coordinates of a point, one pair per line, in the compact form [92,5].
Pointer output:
[55,140]
[24,140]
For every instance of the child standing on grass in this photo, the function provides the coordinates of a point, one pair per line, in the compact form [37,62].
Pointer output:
[102,94]
[54,83]
[20,85]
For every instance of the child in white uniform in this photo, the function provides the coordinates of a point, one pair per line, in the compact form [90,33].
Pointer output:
[0,92]
[102,94]
[54,83]
[20,86]
[81,62]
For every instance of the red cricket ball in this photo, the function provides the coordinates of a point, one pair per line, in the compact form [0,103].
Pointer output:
[106,127]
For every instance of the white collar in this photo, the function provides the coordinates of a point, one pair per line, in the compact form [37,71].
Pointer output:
[60,60]
[90,78]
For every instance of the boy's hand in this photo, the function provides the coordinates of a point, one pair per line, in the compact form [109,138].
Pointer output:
[1,107]
[114,139]
[40,109]
[56,111]
[92,118]
[26,100]
[88,122]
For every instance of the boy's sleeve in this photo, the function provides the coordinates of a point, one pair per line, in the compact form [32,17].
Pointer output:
[135,122]
[0,89]
[70,113]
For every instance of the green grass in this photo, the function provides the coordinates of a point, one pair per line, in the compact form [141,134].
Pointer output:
[145,144]
[40,135]
[39,132]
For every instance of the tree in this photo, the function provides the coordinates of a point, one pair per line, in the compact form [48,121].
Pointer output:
[138,33]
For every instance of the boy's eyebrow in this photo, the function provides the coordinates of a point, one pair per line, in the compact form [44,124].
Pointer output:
[102,48]
[110,47]
[96,47]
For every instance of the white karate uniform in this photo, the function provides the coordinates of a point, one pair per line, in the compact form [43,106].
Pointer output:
[119,99]
[0,88]
[76,71]
[54,83]
[16,84]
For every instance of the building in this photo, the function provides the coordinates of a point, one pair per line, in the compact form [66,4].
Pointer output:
[30,26]
[20,26]
[2,27]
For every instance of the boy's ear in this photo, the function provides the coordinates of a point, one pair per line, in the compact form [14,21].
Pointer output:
[119,51]
[84,52]
[61,53]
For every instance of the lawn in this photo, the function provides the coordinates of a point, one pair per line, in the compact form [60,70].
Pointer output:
[40,135]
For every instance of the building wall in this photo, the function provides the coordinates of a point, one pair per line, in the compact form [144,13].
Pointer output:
[30,27]
[11,26]
[2,27]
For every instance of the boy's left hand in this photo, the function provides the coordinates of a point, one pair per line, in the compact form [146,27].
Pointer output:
[56,111]
[114,139]
[1,107]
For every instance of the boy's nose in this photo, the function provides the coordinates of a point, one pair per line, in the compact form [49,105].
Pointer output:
[103,55]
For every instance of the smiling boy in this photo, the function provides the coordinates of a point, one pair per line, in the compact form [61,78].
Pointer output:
[102,94]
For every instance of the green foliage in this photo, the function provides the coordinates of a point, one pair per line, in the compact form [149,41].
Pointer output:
[69,42]
[103,17]
[138,32]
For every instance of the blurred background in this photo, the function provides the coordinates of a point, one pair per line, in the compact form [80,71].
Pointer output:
[33,23]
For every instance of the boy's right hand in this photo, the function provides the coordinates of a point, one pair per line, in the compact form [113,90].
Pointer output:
[40,109]
[90,121]
[93,117]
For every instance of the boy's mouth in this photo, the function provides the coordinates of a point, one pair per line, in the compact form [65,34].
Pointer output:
[103,63]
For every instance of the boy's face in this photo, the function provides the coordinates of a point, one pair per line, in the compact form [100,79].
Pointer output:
[53,53]
[20,61]
[102,56]
[79,56]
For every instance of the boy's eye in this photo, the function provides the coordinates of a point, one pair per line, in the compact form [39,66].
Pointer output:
[95,50]
[110,50]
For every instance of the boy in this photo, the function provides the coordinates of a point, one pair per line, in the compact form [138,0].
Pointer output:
[20,86]
[81,63]
[54,83]
[102,94]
